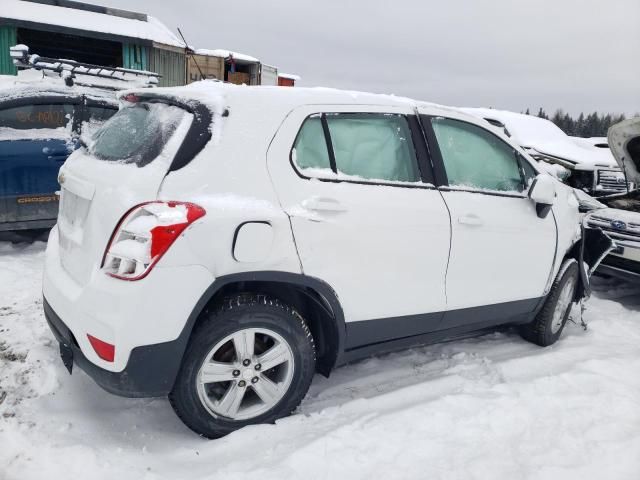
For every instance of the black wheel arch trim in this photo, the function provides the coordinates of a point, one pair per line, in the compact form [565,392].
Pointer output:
[276,277]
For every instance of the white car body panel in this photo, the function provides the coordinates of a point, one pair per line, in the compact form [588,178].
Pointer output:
[400,268]
[385,254]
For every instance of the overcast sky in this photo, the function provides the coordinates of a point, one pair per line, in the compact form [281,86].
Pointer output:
[578,55]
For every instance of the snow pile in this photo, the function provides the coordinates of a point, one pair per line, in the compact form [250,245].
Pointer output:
[489,407]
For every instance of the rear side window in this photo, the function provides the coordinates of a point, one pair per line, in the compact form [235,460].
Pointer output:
[311,147]
[26,117]
[474,157]
[357,146]
[137,133]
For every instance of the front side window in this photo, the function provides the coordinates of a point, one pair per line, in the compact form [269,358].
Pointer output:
[26,117]
[475,158]
[357,146]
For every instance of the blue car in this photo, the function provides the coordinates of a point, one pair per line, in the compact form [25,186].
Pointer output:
[39,128]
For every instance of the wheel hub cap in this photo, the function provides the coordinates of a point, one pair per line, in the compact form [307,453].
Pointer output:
[245,374]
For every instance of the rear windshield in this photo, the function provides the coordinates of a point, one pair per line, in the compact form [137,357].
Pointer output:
[137,133]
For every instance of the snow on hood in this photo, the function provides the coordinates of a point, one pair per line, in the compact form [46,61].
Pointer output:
[151,29]
[545,137]
[624,141]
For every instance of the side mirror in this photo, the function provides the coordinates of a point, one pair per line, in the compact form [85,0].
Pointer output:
[543,193]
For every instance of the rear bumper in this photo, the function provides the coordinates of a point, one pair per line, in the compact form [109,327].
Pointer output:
[150,371]
[28,225]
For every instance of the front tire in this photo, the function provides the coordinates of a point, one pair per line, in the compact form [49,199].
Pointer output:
[250,361]
[547,327]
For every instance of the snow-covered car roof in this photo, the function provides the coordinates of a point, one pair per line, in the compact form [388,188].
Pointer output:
[545,137]
[217,95]
[90,21]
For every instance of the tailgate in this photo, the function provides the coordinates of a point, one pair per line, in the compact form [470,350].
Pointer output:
[123,165]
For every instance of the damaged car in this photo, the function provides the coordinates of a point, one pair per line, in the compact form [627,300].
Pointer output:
[219,245]
[621,220]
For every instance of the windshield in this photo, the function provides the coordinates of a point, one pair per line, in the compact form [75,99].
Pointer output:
[136,134]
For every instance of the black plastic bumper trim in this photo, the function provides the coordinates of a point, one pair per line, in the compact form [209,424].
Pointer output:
[150,371]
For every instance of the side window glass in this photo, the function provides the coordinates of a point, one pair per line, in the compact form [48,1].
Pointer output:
[94,117]
[310,150]
[474,157]
[528,172]
[26,117]
[373,146]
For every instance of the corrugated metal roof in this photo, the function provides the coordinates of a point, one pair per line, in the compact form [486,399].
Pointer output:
[89,21]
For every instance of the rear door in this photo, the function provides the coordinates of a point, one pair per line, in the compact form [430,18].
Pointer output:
[502,253]
[35,140]
[365,216]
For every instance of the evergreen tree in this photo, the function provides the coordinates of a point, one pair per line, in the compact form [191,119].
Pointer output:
[542,114]
[592,125]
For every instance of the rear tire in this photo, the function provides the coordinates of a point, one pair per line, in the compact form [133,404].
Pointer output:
[547,327]
[250,361]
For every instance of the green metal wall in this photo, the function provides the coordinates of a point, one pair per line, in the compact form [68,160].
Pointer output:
[171,65]
[135,56]
[7,39]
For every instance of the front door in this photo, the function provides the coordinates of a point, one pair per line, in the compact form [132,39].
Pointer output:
[364,218]
[501,252]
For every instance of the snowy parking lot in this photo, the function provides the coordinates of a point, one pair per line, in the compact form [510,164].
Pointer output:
[489,407]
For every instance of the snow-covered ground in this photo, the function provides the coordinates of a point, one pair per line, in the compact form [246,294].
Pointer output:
[485,408]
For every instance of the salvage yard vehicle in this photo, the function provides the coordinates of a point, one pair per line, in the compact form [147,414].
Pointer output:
[221,244]
[622,220]
[588,165]
[37,126]
[43,113]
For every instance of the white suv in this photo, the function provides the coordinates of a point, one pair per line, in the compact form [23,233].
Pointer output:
[220,244]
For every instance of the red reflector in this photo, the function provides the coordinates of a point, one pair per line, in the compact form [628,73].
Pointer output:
[131,98]
[105,350]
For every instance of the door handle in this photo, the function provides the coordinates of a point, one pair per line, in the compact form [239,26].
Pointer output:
[323,204]
[471,220]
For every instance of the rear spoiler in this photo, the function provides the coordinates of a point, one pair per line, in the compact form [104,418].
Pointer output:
[624,142]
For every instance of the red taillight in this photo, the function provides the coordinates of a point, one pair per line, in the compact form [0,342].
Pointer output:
[105,350]
[144,235]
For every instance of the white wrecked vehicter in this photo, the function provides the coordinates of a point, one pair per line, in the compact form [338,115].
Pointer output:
[221,244]
[621,221]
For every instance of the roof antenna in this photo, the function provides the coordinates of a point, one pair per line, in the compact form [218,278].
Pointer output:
[191,54]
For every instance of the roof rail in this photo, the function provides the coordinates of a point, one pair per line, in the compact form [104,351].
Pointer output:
[68,69]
